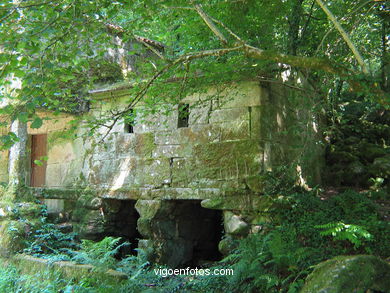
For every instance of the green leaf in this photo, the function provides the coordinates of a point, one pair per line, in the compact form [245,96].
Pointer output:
[36,123]
[23,117]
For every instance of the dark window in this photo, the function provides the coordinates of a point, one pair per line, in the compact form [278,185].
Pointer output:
[129,122]
[184,114]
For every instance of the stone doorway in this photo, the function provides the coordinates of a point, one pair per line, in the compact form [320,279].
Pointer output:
[121,221]
[98,218]
[180,232]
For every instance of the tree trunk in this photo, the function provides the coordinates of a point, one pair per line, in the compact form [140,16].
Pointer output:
[294,22]
[17,168]
[385,72]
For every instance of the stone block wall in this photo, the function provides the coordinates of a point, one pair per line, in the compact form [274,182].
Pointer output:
[4,167]
[164,180]
[218,149]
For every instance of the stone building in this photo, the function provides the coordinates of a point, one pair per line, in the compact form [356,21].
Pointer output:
[181,185]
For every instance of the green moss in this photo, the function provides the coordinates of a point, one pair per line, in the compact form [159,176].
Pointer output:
[230,159]
[58,193]
[145,144]
[70,270]
[345,274]
[12,236]
[13,193]
[60,137]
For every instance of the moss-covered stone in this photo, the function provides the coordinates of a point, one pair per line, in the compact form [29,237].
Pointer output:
[70,270]
[255,183]
[234,224]
[11,210]
[59,193]
[240,202]
[12,236]
[144,144]
[89,223]
[346,274]
[228,159]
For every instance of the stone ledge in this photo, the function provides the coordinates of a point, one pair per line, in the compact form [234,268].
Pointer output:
[29,264]
[164,193]
[58,193]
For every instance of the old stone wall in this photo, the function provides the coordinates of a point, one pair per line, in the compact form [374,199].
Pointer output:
[172,178]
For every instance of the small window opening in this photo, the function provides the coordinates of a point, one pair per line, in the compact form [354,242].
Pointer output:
[184,114]
[130,121]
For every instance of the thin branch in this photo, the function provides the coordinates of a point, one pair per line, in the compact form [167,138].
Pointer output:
[179,7]
[344,35]
[307,21]
[151,48]
[304,62]
[343,18]
[26,6]
[181,59]
[210,24]
[227,29]
[7,15]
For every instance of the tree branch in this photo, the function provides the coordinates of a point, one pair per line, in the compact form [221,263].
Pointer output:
[210,24]
[298,61]
[344,35]
[26,6]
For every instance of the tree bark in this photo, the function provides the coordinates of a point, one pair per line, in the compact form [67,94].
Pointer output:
[294,21]
[17,168]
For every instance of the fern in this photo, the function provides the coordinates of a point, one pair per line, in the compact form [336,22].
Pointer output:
[341,231]
[99,254]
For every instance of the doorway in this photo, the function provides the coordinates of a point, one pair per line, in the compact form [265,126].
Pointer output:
[38,160]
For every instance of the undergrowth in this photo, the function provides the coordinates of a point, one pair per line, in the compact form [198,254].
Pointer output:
[308,230]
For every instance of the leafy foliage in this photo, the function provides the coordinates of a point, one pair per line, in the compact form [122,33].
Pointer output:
[100,254]
[341,231]
[61,50]
[49,241]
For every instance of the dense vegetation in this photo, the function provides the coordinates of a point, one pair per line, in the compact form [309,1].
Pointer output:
[52,53]
[306,230]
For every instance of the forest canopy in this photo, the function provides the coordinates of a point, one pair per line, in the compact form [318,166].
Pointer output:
[53,52]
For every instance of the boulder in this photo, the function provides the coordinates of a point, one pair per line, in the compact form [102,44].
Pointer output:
[346,274]
[234,224]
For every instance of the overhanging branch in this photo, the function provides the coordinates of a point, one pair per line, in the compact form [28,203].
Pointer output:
[345,36]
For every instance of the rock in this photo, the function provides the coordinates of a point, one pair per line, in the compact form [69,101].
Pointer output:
[91,226]
[227,245]
[242,202]
[255,183]
[12,236]
[234,224]
[88,201]
[150,209]
[346,274]
[173,253]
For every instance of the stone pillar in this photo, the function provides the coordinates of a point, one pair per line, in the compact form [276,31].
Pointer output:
[235,228]
[164,242]
[17,167]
